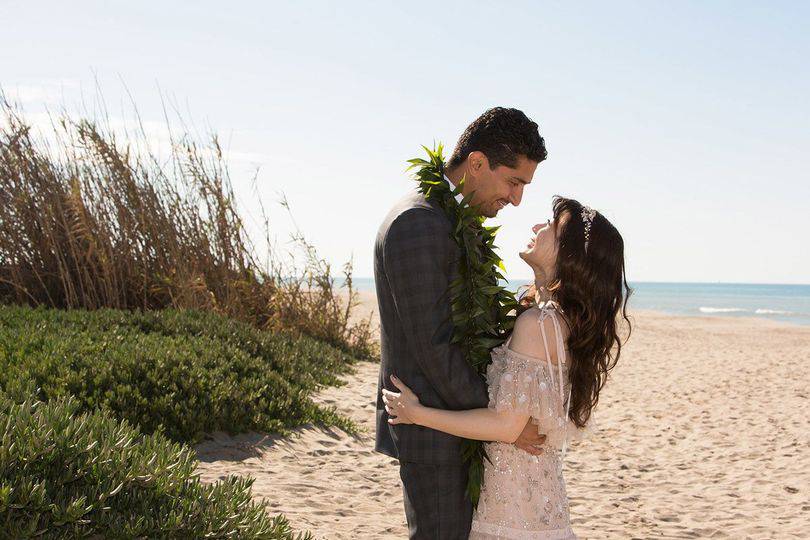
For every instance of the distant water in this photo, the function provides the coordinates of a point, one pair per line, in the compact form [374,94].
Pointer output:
[789,303]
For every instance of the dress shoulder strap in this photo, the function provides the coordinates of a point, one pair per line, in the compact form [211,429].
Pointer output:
[550,310]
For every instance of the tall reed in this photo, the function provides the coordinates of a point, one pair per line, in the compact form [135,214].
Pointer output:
[91,221]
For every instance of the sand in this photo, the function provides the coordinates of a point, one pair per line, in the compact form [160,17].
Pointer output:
[704,432]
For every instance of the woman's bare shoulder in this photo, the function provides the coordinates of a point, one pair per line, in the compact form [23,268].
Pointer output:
[527,336]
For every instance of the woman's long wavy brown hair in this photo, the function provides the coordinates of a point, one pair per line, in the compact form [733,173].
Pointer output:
[591,289]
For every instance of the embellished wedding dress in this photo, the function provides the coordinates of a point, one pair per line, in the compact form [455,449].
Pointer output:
[523,496]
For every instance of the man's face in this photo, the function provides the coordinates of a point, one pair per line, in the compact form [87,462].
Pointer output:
[495,188]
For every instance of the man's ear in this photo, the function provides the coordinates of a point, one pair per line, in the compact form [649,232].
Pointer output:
[477,160]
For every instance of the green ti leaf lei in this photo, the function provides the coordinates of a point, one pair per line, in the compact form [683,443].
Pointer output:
[483,312]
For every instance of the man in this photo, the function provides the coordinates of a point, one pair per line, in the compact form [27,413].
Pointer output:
[415,260]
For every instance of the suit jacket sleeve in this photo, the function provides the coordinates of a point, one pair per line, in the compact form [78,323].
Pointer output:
[417,259]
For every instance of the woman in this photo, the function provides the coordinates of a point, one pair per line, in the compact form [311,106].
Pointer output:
[551,369]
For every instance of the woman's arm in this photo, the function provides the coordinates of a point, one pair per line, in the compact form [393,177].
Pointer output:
[480,424]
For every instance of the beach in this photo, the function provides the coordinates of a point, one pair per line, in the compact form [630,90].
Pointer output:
[702,432]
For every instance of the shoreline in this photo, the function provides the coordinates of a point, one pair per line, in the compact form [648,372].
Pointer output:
[368,303]
[709,318]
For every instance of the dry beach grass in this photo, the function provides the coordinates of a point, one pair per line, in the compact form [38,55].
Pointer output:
[703,433]
[93,218]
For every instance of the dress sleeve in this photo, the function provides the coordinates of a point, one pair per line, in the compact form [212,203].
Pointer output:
[524,386]
[518,384]
[530,385]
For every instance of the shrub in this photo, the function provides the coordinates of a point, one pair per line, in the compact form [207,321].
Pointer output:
[65,474]
[179,371]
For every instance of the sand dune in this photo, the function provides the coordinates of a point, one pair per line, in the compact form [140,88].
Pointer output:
[703,432]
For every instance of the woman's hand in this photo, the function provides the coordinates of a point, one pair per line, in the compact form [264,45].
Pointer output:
[402,407]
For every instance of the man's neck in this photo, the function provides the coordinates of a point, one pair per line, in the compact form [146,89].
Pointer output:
[459,196]
[454,176]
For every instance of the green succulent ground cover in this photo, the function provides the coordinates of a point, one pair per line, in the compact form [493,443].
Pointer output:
[65,474]
[186,372]
[96,408]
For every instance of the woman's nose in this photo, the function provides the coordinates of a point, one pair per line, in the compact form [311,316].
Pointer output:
[536,228]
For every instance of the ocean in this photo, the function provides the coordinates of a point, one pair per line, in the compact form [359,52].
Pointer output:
[787,303]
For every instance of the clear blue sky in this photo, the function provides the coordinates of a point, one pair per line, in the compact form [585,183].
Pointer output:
[686,123]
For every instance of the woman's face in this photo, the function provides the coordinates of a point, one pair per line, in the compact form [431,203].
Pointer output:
[544,245]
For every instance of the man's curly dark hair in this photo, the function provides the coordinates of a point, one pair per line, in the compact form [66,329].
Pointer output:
[502,135]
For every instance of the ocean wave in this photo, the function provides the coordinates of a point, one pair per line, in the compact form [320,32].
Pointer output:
[722,310]
[773,312]
[758,311]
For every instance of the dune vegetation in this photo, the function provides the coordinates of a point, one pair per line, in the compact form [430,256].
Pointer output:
[135,318]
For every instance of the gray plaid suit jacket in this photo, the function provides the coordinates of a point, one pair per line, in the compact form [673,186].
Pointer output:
[415,259]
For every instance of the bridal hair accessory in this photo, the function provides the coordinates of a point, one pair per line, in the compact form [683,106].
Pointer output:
[588,214]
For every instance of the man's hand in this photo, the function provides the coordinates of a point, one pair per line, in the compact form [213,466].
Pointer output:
[529,440]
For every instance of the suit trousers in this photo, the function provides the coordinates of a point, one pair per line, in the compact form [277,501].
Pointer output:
[436,505]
